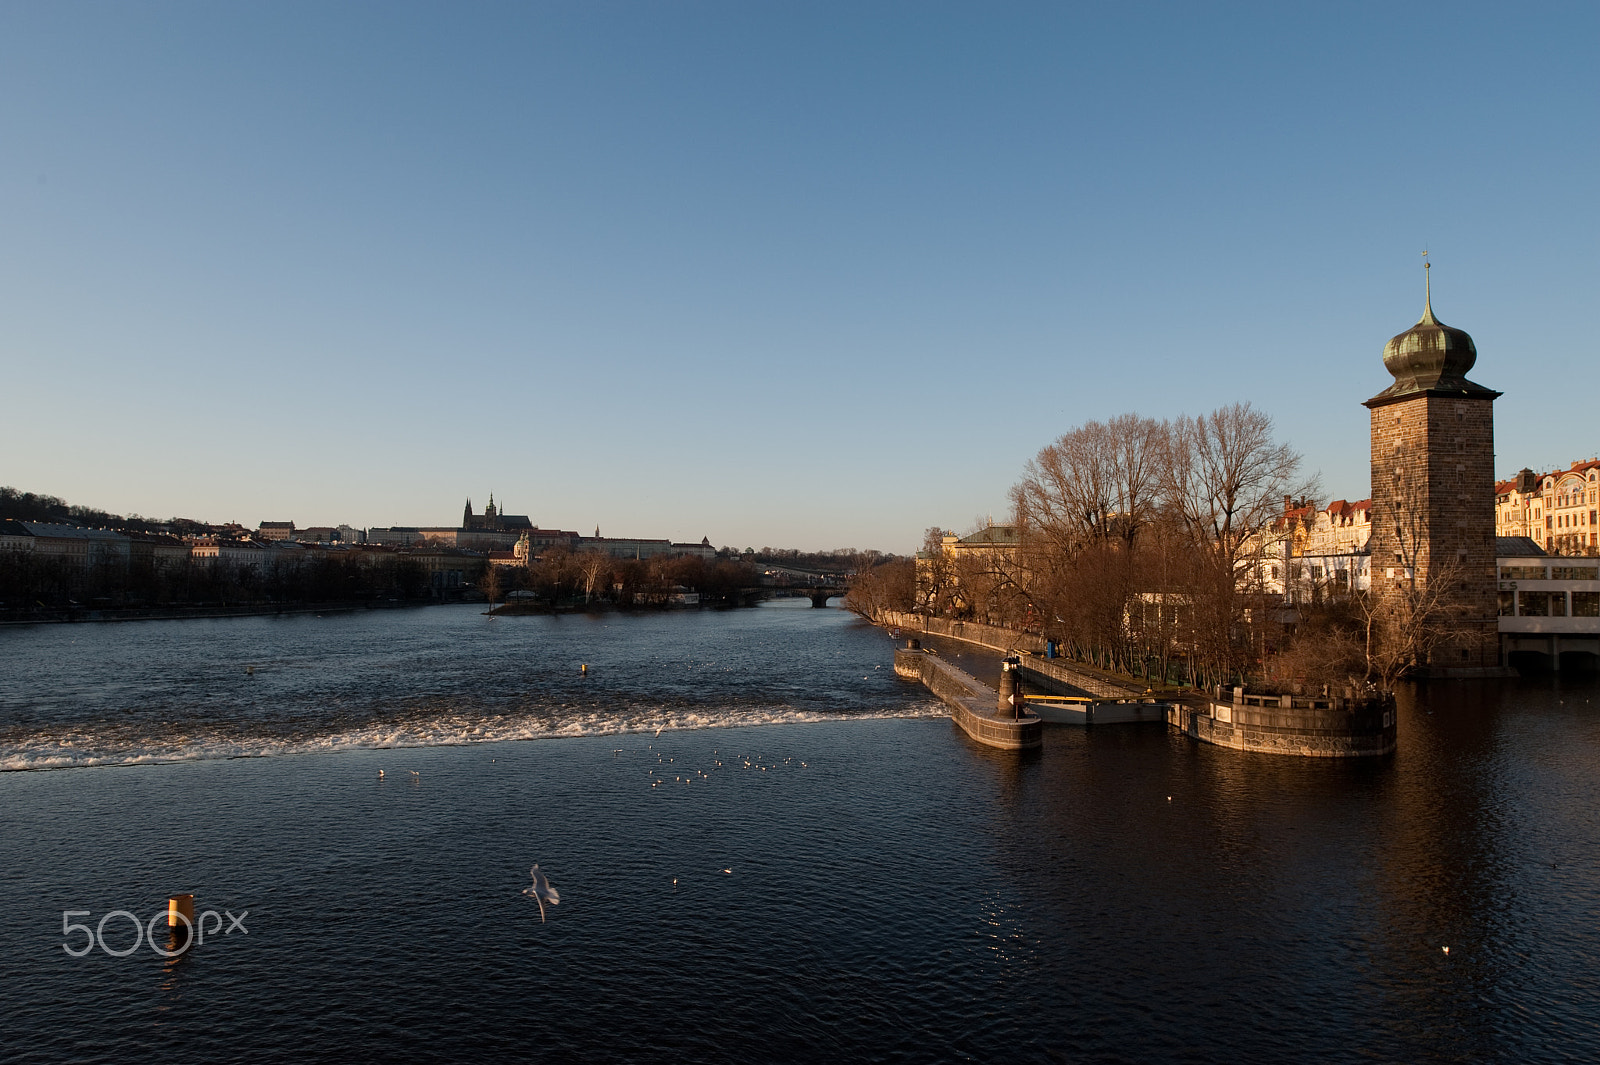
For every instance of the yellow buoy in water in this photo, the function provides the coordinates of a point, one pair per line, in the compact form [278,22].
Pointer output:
[584,669]
[180,912]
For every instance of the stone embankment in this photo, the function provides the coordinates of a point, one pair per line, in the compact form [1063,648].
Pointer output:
[972,703]
[1007,641]
[1047,673]
[1325,727]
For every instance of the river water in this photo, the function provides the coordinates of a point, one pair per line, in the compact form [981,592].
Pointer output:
[806,862]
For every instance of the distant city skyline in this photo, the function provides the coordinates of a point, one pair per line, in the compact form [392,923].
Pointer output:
[807,276]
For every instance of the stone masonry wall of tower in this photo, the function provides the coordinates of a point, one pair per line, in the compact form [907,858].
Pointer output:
[1433,513]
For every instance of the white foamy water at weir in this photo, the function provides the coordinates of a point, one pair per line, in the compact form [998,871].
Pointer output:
[161,691]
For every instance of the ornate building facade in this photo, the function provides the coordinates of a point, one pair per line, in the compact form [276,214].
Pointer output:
[1557,510]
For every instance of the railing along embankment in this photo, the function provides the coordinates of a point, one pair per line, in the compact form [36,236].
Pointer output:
[1316,727]
[1006,641]
[1050,674]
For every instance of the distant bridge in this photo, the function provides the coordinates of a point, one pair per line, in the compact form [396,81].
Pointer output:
[822,593]
[819,594]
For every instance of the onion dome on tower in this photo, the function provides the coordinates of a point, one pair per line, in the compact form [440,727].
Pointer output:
[1430,357]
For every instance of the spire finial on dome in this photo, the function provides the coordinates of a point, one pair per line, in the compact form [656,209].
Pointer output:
[1427,288]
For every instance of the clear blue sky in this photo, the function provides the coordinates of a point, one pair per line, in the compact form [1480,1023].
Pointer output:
[807,274]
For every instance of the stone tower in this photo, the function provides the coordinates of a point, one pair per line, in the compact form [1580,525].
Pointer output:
[1433,497]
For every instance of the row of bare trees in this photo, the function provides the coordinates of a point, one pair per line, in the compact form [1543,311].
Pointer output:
[574,579]
[1140,540]
[1137,546]
[30,581]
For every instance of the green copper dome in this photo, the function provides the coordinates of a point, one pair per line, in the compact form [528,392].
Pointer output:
[1430,357]
[1429,352]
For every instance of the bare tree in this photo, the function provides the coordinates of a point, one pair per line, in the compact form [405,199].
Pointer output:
[1226,478]
[1135,539]
[1081,508]
[1412,609]
[594,566]
[885,587]
[1097,482]
[935,578]
[1326,652]
[1404,624]
[990,585]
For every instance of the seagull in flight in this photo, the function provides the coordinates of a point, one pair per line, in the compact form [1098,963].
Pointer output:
[541,892]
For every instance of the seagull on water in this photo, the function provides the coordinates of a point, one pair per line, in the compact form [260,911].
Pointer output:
[541,892]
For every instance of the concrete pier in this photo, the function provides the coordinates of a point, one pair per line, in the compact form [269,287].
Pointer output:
[972,703]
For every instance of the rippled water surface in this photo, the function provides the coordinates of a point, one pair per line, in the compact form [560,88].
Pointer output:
[155,691]
[805,863]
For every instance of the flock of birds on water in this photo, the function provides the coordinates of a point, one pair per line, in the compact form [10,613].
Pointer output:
[542,892]
[718,761]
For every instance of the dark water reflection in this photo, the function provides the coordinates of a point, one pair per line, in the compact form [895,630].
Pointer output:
[894,893]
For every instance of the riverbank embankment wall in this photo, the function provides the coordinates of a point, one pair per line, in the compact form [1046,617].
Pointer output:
[991,636]
[1329,727]
[972,703]
[1050,674]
